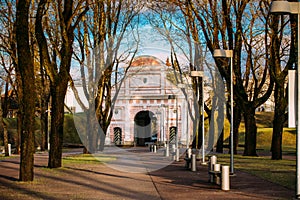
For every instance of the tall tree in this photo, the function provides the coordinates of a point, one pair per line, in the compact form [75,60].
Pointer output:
[234,31]
[26,90]
[282,58]
[180,31]
[92,58]
[108,25]
[57,60]
[9,57]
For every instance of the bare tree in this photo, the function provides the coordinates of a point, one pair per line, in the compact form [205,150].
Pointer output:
[88,56]
[179,30]
[9,61]
[282,58]
[228,32]
[62,19]
[105,29]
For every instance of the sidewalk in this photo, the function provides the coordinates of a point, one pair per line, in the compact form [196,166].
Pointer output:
[99,181]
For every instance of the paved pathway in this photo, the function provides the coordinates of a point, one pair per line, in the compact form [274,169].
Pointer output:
[98,181]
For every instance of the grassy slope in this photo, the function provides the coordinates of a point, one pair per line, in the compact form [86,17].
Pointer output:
[264,133]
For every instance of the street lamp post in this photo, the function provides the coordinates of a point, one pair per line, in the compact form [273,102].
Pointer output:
[285,7]
[201,74]
[177,147]
[229,54]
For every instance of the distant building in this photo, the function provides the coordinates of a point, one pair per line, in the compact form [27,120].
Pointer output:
[149,107]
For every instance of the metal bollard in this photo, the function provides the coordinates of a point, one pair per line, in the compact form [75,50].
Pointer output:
[212,162]
[225,185]
[194,163]
[167,153]
[154,148]
[189,152]
[9,149]
[217,168]
[174,152]
[173,146]
[177,154]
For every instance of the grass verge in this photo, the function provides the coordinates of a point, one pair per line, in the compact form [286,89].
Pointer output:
[87,159]
[282,172]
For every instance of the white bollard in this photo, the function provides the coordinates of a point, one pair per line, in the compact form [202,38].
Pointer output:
[212,162]
[167,154]
[177,154]
[189,152]
[9,149]
[194,163]
[225,185]
[217,168]
[173,146]
[174,152]
[154,148]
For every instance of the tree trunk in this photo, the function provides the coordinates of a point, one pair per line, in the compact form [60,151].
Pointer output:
[197,142]
[26,91]
[236,124]
[102,136]
[5,135]
[92,132]
[86,136]
[19,129]
[278,121]
[212,129]
[57,125]
[5,102]
[102,139]
[220,143]
[3,129]
[195,133]
[277,136]
[251,131]
[43,129]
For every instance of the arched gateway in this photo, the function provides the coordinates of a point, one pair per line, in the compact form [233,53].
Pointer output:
[144,127]
[144,110]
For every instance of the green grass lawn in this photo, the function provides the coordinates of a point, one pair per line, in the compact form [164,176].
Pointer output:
[87,158]
[282,172]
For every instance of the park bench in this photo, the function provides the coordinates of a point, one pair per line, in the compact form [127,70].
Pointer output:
[216,176]
[188,158]
[188,162]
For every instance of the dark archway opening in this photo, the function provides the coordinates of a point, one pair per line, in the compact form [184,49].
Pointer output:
[143,127]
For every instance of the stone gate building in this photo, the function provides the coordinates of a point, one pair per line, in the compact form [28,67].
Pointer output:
[149,107]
